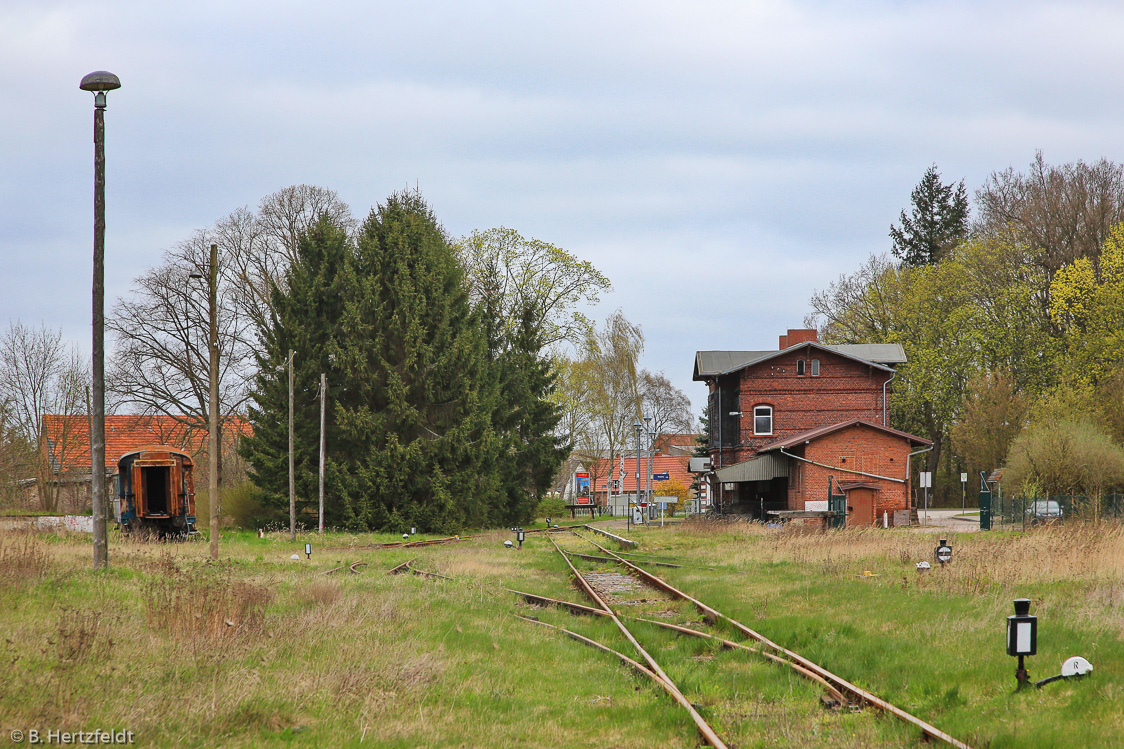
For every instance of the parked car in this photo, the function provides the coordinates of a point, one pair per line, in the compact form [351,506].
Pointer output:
[1044,511]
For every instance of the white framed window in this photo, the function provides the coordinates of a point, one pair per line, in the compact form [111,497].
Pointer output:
[799,367]
[815,367]
[762,419]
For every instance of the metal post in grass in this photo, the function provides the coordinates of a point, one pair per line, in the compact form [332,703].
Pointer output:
[636,490]
[963,492]
[1022,638]
[98,83]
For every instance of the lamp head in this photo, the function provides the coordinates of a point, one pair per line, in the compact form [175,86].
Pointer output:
[100,80]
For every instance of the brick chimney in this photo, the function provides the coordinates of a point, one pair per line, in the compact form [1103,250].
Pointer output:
[797,336]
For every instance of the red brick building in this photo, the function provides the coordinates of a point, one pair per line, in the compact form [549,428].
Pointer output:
[782,422]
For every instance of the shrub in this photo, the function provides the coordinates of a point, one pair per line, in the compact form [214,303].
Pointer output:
[550,507]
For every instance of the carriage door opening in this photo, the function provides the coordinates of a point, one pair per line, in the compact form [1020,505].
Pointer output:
[156,485]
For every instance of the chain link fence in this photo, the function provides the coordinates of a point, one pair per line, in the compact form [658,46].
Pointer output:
[1022,511]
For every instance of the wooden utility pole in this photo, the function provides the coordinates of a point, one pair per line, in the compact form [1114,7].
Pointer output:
[213,406]
[323,399]
[292,474]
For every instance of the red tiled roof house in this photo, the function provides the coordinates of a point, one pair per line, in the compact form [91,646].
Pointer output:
[66,447]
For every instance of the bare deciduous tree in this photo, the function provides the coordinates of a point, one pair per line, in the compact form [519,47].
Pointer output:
[261,246]
[161,361]
[39,376]
[1060,212]
[600,393]
[669,407]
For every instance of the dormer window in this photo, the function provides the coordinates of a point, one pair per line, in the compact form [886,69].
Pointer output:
[815,367]
[763,420]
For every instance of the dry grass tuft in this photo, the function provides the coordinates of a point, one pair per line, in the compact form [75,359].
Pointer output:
[23,557]
[81,636]
[212,606]
[320,593]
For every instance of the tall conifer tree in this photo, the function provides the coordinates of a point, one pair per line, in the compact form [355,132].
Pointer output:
[415,421]
[525,417]
[305,319]
[939,221]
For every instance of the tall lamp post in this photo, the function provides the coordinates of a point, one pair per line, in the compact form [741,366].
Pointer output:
[636,425]
[98,83]
[647,478]
[213,404]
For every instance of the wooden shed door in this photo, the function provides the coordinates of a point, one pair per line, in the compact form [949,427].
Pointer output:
[860,508]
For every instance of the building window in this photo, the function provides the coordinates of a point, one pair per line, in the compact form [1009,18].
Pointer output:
[799,367]
[763,420]
[815,367]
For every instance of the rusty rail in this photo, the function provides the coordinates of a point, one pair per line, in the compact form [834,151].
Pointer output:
[619,539]
[840,683]
[610,559]
[575,607]
[669,685]
[731,645]
[401,544]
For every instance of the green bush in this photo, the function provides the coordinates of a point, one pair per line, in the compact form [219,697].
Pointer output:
[550,507]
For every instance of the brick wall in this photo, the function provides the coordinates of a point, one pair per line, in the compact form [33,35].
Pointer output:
[845,389]
[859,448]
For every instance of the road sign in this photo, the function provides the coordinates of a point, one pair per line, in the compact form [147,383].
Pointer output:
[963,478]
[665,476]
[926,480]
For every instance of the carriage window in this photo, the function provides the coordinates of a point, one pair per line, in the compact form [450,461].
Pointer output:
[763,420]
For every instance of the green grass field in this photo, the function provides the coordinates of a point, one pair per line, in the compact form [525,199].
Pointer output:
[260,649]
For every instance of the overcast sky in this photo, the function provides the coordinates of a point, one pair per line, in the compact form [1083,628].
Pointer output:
[719,161]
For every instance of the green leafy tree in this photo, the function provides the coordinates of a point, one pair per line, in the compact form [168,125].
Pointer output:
[528,281]
[994,414]
[305,318]
[1087,305]
[1062,456]
[937,223]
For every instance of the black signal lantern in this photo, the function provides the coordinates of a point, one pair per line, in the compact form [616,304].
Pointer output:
[1022,637]
[519,536]
[943,552]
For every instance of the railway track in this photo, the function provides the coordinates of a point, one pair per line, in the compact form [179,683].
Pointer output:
[613,594]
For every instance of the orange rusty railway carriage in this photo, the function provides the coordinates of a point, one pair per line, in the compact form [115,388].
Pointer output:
[156,491]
